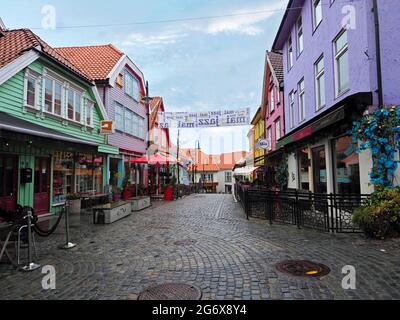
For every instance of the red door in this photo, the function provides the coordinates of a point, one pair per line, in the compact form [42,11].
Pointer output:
[41,197]
[8,182]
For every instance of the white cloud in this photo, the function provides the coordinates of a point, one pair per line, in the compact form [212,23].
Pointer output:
[246,23]
[135,39]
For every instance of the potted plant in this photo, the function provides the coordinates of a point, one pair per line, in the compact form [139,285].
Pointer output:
[379,217]
[74,203]
[169,190]
[126,185]
[116,194]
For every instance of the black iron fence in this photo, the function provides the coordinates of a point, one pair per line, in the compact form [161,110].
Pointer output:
[326,212]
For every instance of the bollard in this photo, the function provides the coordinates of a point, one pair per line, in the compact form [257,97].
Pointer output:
[68,244]
[31,265]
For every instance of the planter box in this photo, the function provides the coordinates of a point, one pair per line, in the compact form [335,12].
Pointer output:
[111,212]
[74,206]
[140,203]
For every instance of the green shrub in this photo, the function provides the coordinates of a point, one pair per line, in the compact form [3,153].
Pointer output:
[379,217]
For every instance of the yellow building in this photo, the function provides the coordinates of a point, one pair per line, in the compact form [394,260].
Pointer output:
[259,133]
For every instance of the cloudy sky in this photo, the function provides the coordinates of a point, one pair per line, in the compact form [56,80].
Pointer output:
[194,64]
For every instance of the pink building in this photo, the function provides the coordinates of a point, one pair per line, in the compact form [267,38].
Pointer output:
[272,110]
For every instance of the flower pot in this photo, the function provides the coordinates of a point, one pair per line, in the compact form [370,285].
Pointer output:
[116,197]
[74,206]
[126,195]
[169,194]
[74,212]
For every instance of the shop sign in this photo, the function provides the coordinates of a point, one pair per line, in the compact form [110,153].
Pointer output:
[263,144]
[208,119]
[106,127]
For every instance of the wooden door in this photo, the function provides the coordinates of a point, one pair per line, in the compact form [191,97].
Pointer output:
[8,182]
[41,198]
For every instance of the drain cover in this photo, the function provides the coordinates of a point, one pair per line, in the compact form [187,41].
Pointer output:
[185,242]
[303,268]
[171,291]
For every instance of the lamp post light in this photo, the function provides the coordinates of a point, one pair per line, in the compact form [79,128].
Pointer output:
[147,100]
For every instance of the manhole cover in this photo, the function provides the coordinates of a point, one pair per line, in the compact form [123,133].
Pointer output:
[171,291]
[303,268]
[185,242]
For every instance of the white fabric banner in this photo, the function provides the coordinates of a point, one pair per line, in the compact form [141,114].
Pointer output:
[227,118]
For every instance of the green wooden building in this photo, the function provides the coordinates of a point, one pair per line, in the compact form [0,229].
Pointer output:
[50,139]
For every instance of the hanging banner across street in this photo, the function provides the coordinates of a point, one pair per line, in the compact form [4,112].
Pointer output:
[227,118]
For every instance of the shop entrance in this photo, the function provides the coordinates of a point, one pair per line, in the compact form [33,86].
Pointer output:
[319,169]
[8,182]
[41,197]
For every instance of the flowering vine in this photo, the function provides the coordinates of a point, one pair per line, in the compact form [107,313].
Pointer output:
[379,130]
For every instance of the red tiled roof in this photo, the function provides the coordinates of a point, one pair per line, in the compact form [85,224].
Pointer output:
[14,43]
[95,61]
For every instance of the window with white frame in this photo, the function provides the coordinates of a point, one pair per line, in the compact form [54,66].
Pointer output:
[163,139]
[271,100]
[317,13]
[31,90]
[290,53]
[74,105]
[128,121]
[141,128]
[300,40]
[132,87]
[155,135]
[135,125]
[70,105]
[302,106]
[48,95]
[320,83]
[78,107]
[58,98]
[228,176]
[277,129]
[291,109]
[341,63]
[269,137]
[89,112]
[119,117]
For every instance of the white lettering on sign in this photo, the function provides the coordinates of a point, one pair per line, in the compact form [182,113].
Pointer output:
[208,119]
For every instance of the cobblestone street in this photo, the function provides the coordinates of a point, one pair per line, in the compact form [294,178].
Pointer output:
[206,241]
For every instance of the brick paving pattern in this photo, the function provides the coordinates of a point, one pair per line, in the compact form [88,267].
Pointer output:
[206,241]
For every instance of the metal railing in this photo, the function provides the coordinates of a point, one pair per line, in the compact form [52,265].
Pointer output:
[326,212]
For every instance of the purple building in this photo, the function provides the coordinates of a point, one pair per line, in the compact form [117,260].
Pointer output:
[330,51]
[121,86]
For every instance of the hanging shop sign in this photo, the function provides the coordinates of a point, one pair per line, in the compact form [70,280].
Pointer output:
[208,119]
[262,144]
[106,127]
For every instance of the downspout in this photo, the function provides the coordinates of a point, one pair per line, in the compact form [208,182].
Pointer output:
[378,53]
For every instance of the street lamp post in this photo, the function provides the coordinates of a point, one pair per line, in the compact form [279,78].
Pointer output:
[147,100]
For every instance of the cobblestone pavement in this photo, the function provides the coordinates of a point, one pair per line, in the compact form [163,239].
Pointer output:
[228,257]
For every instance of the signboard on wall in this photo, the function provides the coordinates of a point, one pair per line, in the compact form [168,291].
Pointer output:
[106,127]
[263,144]
[206,119]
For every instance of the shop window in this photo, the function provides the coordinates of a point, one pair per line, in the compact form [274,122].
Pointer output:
[304,167]
[346,166]
[84,173]
[319,169]
[62,175]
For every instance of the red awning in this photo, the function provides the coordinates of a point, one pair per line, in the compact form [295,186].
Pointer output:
[154,159]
